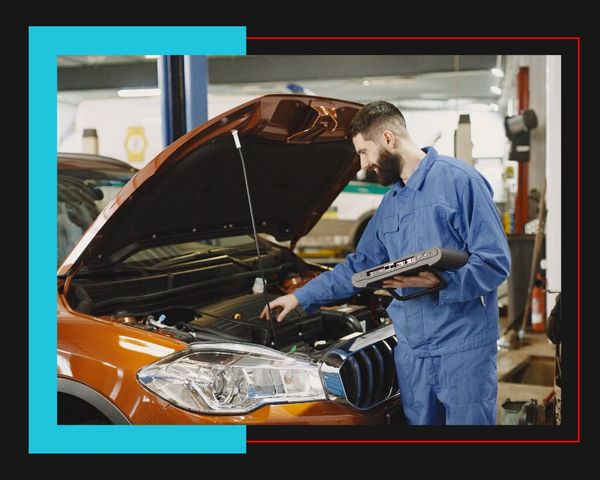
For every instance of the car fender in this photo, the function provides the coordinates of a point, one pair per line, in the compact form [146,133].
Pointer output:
[106,355]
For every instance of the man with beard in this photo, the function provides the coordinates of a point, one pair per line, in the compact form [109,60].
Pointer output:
[446,353]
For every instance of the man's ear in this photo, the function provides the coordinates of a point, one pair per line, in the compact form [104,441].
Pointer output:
[389,139]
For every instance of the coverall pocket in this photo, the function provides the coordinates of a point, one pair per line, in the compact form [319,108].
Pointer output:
[391,223]
[434,228]
[471,376]
[391,226]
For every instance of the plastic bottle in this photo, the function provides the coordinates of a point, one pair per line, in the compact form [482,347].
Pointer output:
[538,305]
[90,141]
[259,285]
[510,193]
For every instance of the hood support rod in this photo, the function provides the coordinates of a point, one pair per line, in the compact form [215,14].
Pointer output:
[238,145]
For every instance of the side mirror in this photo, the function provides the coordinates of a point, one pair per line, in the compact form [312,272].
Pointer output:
[95,192]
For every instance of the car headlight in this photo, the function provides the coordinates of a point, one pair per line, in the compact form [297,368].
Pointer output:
[231,378]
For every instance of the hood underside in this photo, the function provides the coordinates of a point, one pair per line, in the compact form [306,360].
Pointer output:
[297,156]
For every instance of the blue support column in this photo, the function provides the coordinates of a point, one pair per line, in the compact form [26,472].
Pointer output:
[165,99]
[196,90]
[171,84]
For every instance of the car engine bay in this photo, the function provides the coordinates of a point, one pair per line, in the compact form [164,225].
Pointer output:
[211,299]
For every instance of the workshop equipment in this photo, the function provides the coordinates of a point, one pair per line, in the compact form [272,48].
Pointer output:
[538,305]
[522,413]
[537,252]
[430,260]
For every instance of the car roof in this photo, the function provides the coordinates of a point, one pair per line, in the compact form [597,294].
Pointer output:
[82,161]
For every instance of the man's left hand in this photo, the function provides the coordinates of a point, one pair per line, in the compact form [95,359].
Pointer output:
[423,279]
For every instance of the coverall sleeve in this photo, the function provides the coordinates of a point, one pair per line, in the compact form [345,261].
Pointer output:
[337,283]
[478,223]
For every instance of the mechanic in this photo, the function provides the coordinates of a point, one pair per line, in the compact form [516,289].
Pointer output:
[446,353]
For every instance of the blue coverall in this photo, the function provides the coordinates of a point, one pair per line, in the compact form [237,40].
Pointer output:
[446,352]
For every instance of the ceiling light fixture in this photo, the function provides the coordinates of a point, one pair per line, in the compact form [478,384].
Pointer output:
[366,83]
[494,107]
[496,90]
[151,56]
[138,92]
[497,72]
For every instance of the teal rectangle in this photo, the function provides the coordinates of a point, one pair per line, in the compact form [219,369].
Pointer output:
[45,44]
[140,40]
[139,439]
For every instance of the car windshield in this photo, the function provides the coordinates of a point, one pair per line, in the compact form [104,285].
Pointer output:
[82,194]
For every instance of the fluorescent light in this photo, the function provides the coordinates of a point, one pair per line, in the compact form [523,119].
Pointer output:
[497,72]
[494,107]
[156,56]
[495,89]
[366,83]
[138,92]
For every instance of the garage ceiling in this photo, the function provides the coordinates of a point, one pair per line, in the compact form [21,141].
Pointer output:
[96,60]
[411,81]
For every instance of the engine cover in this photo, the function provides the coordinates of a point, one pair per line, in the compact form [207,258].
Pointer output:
[239,319]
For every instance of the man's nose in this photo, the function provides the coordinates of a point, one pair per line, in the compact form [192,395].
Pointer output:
[364,164]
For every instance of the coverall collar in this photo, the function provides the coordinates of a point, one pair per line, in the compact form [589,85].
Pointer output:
[418,177]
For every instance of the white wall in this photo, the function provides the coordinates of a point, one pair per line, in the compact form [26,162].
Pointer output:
[66,125]
[116,120]
[537,102]
[114,117]
[220,104]
[487,134]
[553,178]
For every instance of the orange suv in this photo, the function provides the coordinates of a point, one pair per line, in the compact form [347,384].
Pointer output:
[158,310]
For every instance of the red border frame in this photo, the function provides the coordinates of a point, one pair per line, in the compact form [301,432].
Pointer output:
[578,40]
[414,38]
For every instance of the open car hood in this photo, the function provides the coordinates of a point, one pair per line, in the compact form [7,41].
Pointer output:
[298,158]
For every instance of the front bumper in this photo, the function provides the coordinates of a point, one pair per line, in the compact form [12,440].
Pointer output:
[309,413]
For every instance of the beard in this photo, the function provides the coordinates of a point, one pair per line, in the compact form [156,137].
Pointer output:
[389,164]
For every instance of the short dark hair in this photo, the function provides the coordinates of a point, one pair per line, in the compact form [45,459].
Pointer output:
[373,115]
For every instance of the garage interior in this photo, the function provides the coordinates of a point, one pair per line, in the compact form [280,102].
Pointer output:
[500,113]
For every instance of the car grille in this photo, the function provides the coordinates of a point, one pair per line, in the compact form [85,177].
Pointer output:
[369,375]
[363,377]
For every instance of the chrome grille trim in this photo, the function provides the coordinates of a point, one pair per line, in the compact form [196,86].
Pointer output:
[360,371]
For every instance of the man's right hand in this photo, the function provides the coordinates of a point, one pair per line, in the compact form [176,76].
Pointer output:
[280,307]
